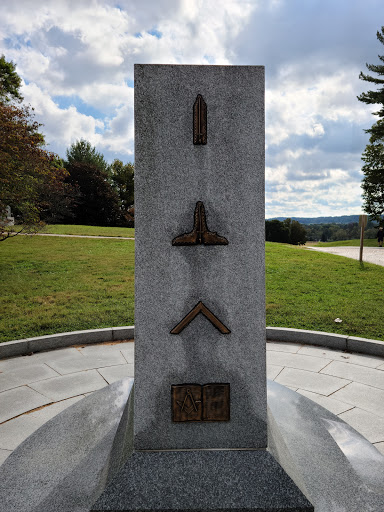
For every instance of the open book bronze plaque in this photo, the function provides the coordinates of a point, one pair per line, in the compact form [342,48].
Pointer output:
[193,402]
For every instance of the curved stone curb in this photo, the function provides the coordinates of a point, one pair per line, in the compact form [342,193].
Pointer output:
[66,339]
[327,339]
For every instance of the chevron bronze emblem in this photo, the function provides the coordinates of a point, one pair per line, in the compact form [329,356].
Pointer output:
[200,308]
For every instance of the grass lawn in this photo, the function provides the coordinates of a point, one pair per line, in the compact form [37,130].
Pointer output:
[368,242]
[308,290]
[68,229]
[51,284]
[54,284]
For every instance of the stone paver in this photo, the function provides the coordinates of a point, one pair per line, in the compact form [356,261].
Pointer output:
[365,397]
[114,373]
[88,362]
[13,432]
[336,355]
[335,406]
[273,371]
[26,375]
[299,361]
[366,423]
[283,347]
[128,353]
[71,385]
[7,365]
[353,383]
[353,372]
[19,400]
[310,381]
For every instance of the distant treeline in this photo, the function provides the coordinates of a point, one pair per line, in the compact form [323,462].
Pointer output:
[333,232]
[289,231]
[340,219]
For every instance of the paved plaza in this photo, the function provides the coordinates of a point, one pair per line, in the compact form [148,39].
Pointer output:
[35,388]
[370,254]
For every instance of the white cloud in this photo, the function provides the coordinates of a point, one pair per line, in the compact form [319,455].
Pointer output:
[84,50]
[63,126]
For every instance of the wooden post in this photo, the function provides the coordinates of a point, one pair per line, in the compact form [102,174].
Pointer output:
[363,219]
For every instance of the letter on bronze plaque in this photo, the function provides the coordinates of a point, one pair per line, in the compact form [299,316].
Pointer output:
[200,308]
[192,402]
[200,233]
[199,121]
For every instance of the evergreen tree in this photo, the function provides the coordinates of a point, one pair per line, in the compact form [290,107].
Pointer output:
[122,177]
[373,181]
[82,152]
[375,97]
[373,156]
[97,202]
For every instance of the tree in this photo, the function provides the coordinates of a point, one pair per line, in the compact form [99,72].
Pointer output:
[122,177]
[31,178]
[83,152]
[276,231]
[26,169]
[97,203]
[373,155]
[297,233]
[286,232]
[375,97]
[373,181]
[10,82]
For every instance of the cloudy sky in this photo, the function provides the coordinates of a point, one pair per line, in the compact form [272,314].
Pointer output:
[76,60]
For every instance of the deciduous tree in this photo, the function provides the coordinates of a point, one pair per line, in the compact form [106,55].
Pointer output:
[26,169]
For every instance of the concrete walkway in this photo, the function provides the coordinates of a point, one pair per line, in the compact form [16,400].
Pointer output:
[79,236]
[370,254]
[35,388]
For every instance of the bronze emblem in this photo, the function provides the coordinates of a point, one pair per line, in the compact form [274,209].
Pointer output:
[200,233]
[192,402]
[200,308]
[199,121]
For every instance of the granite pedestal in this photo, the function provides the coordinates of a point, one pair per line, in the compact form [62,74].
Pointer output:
[65,465]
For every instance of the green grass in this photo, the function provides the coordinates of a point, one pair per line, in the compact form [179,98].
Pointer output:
[368,242]
[309,290]
[51,284]
[69,229]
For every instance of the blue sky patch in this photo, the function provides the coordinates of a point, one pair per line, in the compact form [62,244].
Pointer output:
[156,33]
[65,102]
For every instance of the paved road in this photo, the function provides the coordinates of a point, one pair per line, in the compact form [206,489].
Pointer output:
[370,254]
[35,388]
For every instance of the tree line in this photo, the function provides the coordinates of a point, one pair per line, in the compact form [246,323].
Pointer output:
[293,232]
[41,187]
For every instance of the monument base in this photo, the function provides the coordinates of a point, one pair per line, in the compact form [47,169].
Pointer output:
[205,480]
[74,458]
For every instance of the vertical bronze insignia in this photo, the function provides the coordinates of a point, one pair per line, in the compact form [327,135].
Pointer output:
[199,121]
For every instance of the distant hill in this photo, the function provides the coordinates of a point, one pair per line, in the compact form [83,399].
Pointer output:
[342,219]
